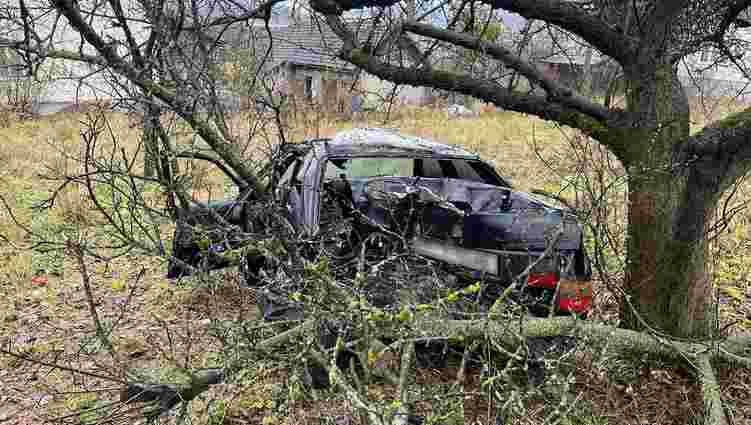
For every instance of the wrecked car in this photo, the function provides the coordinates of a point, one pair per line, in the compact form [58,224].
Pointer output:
[446,203]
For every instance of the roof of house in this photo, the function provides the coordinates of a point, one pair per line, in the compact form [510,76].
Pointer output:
[309,43]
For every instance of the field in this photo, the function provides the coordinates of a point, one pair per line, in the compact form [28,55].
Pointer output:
[44,311]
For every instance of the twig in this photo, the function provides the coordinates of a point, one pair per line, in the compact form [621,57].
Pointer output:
[101,332]
[57,366]
[714,414]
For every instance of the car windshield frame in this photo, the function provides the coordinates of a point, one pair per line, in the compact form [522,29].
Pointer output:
[484,171]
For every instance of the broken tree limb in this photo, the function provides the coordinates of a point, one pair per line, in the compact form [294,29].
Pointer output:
[192,154]
[736,350]
[732,350]
[169,395]
[714,413]
[699,354]
[336,377]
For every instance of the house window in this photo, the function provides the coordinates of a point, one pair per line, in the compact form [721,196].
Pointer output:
[309,88]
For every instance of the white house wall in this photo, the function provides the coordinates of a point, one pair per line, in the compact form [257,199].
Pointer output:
[378,90]
[701,76]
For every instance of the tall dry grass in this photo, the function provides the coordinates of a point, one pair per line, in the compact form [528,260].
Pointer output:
[535,154]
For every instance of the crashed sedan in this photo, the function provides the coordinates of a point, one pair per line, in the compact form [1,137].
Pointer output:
[448,204]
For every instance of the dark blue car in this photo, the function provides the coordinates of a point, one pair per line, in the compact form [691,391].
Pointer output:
[470,218]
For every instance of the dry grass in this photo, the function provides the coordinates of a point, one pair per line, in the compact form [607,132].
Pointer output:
[52,319]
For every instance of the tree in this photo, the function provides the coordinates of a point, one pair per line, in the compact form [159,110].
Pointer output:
[163,53]
[675,178]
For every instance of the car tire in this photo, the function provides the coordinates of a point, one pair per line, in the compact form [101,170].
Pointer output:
[183,249]
[250,271]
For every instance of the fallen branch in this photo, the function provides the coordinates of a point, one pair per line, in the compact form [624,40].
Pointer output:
[169,395]
[101,332]
[714,414]
[730,350]
[507,333]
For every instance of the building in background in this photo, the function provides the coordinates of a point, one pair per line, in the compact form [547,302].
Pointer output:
[566,58]
[302,62]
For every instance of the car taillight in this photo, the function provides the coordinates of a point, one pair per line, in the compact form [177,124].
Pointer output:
[542,280]
[574,295]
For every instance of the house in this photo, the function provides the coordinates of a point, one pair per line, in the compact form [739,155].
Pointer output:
[557,53]
[706,75]
[303,66]
[299,61]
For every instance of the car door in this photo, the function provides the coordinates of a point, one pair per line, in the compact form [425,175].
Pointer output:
[288,192]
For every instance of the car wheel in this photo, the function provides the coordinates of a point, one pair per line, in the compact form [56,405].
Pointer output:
[250,271]
[184,250]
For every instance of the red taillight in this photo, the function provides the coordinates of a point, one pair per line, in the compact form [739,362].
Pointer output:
[542,280]
[575,295]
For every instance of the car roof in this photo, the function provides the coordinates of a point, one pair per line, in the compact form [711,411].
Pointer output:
[384,141]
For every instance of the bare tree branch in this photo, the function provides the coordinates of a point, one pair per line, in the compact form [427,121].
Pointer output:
[507,334]
[260,12]
[132,45]
[722,147]
[567,15]
[735,8]
[571,17]
[556,92]
[224,148]
[714,413]
[486,90]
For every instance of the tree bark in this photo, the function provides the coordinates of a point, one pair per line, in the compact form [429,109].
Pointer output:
[151,155]
[668,285]
[714,412]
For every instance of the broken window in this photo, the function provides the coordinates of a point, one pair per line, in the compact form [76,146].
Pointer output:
[429,168]
[288,192]
[462,169]
[465,171]
[370,167]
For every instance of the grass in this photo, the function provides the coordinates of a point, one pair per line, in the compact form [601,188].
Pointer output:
[52,319]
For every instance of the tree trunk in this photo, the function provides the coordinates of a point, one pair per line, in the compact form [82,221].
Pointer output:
[668,285]
[667,277]
[150,139]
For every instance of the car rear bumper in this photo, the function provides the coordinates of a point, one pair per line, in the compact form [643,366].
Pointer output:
[564,288]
